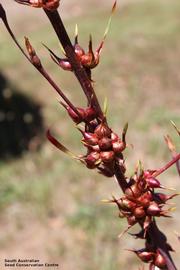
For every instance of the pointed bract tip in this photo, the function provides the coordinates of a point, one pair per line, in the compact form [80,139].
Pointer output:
[176,128]
[141,169]
[125,231]
[106,201]
[124,132]
[98,50]
[29,47]
[170,143]
[90,44]
[76,33]
[114,6]
[105,106]
[172,209]
[125,127]
[32,54]
[167,188]
[51,52]
[62,49]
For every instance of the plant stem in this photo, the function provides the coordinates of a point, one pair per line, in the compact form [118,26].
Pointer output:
[159,240]
[169,262]
[58,90]
[121,179]
[79,71]
[167,166]
[41,68]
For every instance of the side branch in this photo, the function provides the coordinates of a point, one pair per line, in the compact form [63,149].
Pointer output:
[167,166]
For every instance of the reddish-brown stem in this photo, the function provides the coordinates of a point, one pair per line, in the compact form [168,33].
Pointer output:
[121,179]
[5,21]
[169,262]
[78,69]
[167,166]
[159,241]
[89,91]
[178,166]
[41,68]
[154,236]
[177,162]
[58,90]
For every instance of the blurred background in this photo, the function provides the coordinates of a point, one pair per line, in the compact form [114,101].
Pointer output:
[50,206]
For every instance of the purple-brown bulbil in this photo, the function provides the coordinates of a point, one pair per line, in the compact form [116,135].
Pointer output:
[126,204]
[105,143]
[32,53]
[133,191]
[144,255]
[90,59]
[76,118]
[139,212]
[90,114]
[78,51]
[131,220]
[118,146]
[63,63]
[94,148]
[107,156]
[160,261]
[92,159]
[114,137]
[153,182]
[163,198]
[89,138]
[145,199]
[102,130]
[153,209]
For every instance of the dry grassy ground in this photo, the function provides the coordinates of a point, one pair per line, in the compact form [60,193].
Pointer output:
[50,206]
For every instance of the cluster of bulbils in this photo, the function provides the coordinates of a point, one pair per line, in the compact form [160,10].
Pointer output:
[104,150]
[88,60]
[141,204]
[104,147]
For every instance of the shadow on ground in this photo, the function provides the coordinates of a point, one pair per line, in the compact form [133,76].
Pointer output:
[21,122]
